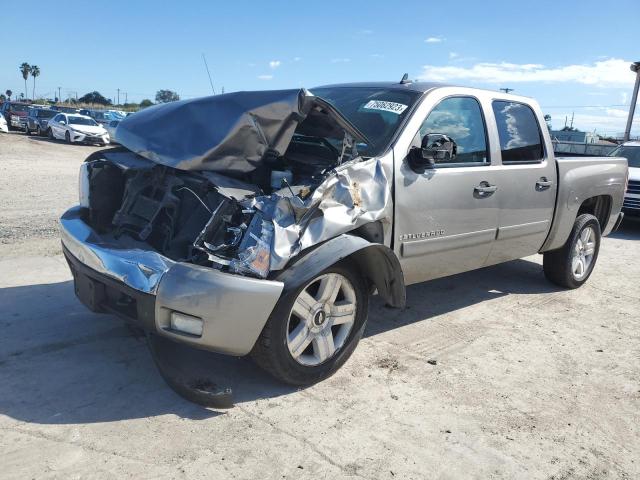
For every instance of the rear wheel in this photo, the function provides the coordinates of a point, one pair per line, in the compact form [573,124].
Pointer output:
[50,134]
[313,330]
[38,131]
[571,265]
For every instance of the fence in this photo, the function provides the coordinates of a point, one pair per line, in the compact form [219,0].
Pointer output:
[582,149]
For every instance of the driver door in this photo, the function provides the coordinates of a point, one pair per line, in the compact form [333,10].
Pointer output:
[446,216]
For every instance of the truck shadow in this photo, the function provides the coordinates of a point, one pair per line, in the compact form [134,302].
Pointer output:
[60,364]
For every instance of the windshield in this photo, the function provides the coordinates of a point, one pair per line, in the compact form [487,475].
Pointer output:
[46,113]
[376,112]
[82,121]
[16,107]
[632,154]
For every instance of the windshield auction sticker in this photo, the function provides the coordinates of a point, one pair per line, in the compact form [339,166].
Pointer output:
[392,107]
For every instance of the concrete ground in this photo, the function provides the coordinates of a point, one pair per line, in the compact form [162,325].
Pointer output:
[490,374]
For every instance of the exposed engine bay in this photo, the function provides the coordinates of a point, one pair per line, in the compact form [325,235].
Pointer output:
[307,185]
[222,222]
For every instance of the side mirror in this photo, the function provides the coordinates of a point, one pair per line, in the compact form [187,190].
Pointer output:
[62,122]
[434,148]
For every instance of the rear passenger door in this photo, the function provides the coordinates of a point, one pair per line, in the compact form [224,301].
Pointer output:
[527,179]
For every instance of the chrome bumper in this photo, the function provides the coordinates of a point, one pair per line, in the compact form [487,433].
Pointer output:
[233,308]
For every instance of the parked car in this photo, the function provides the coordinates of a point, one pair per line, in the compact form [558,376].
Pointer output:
[38,120]
[260,222]
[15,114]
[3,125]
[111,129]
[631,151]
[76,128]
[63,109]
[103,117]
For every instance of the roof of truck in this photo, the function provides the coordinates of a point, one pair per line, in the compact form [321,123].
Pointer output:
[420,87]
[415,86]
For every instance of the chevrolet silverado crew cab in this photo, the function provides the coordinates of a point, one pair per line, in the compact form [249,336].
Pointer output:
[261,222]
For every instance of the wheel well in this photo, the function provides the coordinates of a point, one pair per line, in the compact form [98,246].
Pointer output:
[599,207]
[377,263]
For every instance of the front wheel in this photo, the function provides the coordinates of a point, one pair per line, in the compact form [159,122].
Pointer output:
[313,330]
[571,265]
[67,137]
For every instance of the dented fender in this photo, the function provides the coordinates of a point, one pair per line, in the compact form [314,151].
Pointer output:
[376,262]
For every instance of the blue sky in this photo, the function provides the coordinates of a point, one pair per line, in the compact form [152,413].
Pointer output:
[571,56]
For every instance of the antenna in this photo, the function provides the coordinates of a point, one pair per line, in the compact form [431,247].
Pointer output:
[507,90]
[209,74]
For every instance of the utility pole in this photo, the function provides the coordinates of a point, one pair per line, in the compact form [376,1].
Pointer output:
[118,96]
[507,90]
[126,96]
[635,67]
[59,98]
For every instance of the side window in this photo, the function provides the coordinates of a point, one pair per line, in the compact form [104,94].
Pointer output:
[519,133]
[460,118]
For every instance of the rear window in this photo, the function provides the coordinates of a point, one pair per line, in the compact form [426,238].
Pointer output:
[45,113]
[520,139]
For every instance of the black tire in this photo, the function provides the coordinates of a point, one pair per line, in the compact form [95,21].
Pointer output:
[271,351]
[67,137]
[38,131]
[50,134]
[557,264]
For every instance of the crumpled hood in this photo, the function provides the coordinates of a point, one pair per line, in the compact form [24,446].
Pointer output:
[228,133]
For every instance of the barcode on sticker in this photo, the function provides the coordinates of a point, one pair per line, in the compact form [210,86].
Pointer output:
[392,107]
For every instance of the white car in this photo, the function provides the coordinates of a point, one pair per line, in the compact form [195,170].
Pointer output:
[3,125]
[631,151]
[75,128]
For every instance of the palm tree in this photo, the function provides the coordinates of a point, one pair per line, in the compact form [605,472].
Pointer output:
[9,93]
[35,71]
[25,69]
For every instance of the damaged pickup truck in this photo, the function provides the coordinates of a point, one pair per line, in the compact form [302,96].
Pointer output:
[262,221]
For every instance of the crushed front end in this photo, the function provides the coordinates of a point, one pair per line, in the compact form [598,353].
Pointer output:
[186,237]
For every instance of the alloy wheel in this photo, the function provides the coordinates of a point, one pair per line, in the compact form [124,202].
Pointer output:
[321,319]
[583,252]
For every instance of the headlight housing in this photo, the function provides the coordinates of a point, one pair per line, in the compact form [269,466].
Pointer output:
[83,185]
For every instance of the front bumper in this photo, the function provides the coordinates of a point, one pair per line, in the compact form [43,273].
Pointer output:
[145,287]
[631,204]
[18,122]
[85,138]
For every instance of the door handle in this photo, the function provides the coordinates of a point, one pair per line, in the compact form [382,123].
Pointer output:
[543,184]
[485,189]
